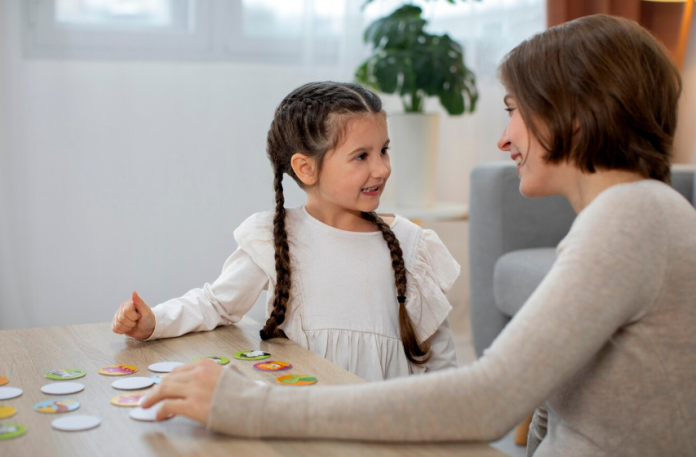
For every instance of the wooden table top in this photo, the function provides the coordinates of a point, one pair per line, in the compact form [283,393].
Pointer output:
[26,355]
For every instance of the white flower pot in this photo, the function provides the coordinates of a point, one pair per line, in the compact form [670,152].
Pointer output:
[413,149]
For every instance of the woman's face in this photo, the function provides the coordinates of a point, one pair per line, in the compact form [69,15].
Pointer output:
[537,177]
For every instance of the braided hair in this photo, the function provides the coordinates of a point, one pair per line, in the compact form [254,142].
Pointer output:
[311,119]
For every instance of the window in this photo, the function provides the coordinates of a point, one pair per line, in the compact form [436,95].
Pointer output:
[272,31]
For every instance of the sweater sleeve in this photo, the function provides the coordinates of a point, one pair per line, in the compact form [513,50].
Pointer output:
[223,302]
[609,271]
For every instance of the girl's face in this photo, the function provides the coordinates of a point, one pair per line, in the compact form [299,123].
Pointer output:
[354,174]
[537,177]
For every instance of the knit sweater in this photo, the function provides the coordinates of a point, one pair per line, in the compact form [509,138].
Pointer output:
[607,343]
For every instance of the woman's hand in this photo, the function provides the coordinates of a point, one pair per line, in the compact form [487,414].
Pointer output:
[134,318]
[188,390]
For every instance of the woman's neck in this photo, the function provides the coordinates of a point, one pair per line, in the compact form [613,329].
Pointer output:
[587,186]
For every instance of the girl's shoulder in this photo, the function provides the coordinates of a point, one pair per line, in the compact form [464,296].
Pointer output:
[388,218]
[259,226]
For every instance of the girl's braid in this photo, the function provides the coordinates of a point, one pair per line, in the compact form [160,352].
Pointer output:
[412,346]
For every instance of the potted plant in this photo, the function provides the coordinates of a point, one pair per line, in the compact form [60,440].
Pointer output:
[408,61]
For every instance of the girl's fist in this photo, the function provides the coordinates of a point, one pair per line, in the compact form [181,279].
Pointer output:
[134,318]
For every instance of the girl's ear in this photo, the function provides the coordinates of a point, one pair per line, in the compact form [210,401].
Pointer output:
[304,168]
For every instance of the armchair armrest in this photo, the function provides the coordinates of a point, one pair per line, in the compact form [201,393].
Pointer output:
[502,220]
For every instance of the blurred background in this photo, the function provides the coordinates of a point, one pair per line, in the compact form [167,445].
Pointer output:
[132,133]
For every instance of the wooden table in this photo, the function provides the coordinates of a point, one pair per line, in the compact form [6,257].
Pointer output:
[26,355]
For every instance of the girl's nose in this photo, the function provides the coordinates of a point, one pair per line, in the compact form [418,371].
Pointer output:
[503,142]
[381,169]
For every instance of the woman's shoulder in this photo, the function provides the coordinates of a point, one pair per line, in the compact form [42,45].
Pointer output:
[643,201]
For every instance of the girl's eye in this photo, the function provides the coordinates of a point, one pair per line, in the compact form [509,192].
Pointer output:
[509,110]
[385,150]
[362,156]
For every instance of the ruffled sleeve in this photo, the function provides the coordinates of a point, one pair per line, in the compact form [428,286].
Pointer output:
[255,237]
[431,272]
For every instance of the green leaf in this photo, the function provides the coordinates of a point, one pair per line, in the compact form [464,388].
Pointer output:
[416,64]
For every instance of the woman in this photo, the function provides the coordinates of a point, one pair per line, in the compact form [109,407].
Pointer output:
[606,344]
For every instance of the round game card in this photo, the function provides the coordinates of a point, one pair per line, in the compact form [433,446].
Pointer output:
[118,370]
[3,380]
[273,365]
[56,406]
[63,388]
[251,355]
[128,399]
[147,415]
[133,383]
[164,367]
[7,411]
[157,378]
[297,380]
[75,423]
[63,374]
[8,431]
[216,358]
[7,393]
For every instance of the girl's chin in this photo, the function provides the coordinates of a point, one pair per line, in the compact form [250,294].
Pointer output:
[370,206]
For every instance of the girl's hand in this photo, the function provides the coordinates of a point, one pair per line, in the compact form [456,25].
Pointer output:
[134,318]
[188,390]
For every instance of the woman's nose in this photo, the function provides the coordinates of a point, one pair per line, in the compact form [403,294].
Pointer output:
[503,142]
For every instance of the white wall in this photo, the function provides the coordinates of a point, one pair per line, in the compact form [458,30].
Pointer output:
[8,290]
[126,176]
[121,176]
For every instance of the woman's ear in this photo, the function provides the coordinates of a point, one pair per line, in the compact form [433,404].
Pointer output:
[304,168]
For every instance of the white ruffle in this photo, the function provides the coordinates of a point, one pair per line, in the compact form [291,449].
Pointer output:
[255,236]
[431,274]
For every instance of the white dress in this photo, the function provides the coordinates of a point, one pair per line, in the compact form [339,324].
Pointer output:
[343,301]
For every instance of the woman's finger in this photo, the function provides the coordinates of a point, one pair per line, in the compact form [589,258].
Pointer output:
[165,391]
[171,408]
[184,368]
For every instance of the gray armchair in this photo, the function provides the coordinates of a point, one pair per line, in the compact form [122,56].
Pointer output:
[512,242]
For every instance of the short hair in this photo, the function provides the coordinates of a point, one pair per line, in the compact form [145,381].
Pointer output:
[599,92]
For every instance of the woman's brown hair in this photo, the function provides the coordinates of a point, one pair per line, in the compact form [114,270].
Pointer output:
[311,120]
[599,92]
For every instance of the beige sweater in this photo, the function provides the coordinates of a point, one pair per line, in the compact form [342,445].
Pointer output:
[607,341]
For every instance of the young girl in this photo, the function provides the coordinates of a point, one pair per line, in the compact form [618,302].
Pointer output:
[363,292]
[606,343]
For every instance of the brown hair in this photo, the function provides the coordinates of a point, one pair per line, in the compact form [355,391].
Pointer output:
[605,92]
[312,120]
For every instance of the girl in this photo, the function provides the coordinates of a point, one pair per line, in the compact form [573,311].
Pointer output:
[363,292]
[606,342]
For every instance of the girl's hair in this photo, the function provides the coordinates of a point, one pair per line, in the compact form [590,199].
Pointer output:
[312,120]
[599,92]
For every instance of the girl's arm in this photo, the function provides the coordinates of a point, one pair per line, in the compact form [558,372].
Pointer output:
[223,302]
[443,354]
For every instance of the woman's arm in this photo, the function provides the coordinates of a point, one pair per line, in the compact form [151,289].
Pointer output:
[608,272]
